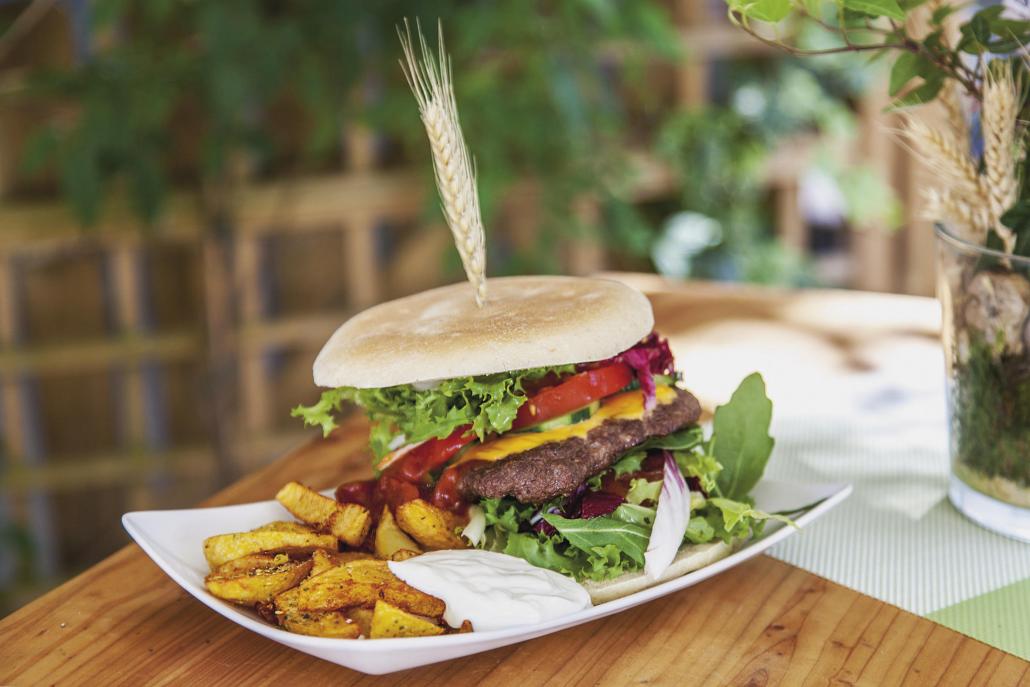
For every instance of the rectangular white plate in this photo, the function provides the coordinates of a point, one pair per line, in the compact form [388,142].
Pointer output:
[173,538]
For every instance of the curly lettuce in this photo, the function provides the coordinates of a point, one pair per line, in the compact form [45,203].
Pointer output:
[488,403]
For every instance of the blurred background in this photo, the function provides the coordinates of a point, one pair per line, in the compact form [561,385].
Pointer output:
[193,195]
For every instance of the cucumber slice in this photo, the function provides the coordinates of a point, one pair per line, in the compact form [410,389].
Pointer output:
[567,419]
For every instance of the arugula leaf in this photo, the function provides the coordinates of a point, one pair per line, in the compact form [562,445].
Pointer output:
[681,440]
[740,438]
[635,514]
[597,533]
[488,403]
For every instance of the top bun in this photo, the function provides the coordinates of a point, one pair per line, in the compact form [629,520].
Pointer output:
[442,334]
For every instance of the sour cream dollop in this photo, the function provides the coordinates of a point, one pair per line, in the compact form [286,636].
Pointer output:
[492,590]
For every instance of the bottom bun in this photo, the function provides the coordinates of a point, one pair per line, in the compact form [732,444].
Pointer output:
[688,559]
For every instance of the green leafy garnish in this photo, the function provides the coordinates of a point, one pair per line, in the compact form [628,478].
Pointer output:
[740,438]
[488,403]
[588,535]
[641,490]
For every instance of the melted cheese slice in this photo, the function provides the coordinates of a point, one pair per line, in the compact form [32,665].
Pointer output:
[625,406]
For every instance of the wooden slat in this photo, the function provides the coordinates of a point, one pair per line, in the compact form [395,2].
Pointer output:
[361,268]
[128,291]
[109,469]
[98,354]
[874,252]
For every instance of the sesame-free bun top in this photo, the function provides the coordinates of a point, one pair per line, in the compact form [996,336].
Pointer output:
[442,334]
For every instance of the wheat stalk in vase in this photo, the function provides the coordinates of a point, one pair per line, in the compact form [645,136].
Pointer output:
[974,201]
[430,81]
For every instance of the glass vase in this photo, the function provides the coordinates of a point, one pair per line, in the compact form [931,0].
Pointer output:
[985,301]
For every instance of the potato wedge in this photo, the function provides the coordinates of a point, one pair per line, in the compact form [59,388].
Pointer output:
[222,548]
[284,526]
[362,617]
[390,621]
[349,522]
[404,554]
[331,624]
[430,526]
[330,559]
[389,538]
[363,583]
[239,566]
[259,585]
[317,624]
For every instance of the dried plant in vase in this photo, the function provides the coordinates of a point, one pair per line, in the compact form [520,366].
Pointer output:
[973,66]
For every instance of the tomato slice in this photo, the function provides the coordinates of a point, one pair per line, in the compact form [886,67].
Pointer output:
[573,393]
[429,455]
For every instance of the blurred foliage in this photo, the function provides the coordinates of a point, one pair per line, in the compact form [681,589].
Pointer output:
[722,156]
[535,98]
[177,93]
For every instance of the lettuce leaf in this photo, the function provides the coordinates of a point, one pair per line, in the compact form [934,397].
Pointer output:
[740,438]
[488,403]
[641,490]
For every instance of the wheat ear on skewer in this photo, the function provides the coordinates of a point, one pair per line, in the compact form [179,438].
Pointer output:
[430,82]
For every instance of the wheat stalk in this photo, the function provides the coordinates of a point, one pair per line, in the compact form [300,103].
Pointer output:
[430,82]
[950,160]
[998,122]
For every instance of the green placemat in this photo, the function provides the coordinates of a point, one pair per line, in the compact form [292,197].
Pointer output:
[1000,618]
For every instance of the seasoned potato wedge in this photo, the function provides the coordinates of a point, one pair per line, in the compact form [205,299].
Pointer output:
[330,559]
[362,617]
[363,583]
[390,621]
[283,526]
[390,538]
[317,624]
[404,554]
[431,527]
[259,585]
[223,548]
[346,521]
[245,564]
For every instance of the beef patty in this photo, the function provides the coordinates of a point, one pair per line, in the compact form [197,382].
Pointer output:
[554,469]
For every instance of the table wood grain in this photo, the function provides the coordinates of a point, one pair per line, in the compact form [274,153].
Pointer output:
[761,623]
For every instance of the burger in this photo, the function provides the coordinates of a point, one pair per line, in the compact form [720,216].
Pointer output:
[551,424]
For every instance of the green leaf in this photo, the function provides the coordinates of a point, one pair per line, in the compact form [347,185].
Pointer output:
[905,68]
[629,463]
[641,490]
[681,440]
[596,533]
[770,11]
[635,514]
[876,8]
[736,512]
[699,530]
[740,437]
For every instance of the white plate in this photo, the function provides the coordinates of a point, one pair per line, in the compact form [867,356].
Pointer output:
[172,538]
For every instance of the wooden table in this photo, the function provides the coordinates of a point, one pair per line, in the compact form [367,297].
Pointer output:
[764,622]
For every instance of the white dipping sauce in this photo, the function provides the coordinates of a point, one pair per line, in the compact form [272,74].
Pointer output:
[492,590]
